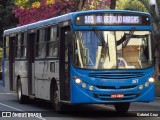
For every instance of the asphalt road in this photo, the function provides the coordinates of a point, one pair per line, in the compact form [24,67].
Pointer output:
[43,110]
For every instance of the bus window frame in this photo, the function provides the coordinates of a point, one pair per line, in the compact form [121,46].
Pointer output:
[51,40]
[17,46]
[24,45]
[6,46]
[37,43]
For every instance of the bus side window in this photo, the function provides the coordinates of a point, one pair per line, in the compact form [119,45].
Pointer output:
[23,45]
[40,43]
[6,47]
[52,42]
[18,42]
[48,38]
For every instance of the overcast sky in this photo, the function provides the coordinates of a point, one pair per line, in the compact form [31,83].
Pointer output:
[152,1]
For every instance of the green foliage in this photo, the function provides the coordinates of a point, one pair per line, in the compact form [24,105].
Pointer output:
[96,4]
[136,5]
[157,82]
[1,53]
[25,3]
[7,18]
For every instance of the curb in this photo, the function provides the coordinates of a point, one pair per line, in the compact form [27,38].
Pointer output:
[157,98]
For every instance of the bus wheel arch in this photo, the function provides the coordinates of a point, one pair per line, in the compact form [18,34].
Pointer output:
[18,78]
[54,96]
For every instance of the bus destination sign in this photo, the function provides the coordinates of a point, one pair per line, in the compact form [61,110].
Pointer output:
[112,19]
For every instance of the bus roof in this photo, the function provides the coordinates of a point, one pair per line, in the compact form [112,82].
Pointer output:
[63,18]
[39,24]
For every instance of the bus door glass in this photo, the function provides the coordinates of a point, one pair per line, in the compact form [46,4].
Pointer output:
[13,40]
[30,59]
[64,64]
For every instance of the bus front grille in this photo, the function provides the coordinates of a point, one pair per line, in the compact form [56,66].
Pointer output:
[116,75]
[113,87]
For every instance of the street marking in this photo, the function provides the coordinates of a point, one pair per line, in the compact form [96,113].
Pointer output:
[18,110]
[11,107]
[6,93]
[106,106]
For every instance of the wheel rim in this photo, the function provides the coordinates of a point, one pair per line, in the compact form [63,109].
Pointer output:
[19,92]
[56,98]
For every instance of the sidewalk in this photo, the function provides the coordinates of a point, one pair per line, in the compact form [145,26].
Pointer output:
[1,83]
[2,88]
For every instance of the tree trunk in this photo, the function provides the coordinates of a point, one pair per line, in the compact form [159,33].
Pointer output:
[158,7]
[113,4]
[81,5]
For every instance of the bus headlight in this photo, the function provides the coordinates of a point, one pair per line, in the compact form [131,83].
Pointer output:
[78,81]
[147,84]
[84,85]
[141,87]
[91,87]
[151,80]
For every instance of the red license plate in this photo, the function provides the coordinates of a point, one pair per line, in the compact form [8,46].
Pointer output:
[117,96]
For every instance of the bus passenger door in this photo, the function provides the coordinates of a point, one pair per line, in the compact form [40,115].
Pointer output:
[12,42]
[64,65]
[30,61]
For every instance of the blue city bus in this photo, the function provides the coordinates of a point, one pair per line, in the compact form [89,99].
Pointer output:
[86,57]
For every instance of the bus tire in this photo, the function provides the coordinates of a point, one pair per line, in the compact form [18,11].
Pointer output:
[55,100]
[21,98]
[122,107]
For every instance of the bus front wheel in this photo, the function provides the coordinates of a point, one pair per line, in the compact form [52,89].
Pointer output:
[56,104]
[122,107]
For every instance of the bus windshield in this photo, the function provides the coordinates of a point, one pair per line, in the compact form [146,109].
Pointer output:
[112,49]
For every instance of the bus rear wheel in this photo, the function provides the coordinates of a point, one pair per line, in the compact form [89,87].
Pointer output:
[122,107]
[56,104]
[21,98]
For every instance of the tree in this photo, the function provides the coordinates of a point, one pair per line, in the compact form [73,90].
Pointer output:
[136,5]
[96,4]
[113,4]
[35,11]
[156,18]
[7,18]
[26,3]
[158,7]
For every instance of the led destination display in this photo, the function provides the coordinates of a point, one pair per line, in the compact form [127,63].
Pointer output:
[112,19]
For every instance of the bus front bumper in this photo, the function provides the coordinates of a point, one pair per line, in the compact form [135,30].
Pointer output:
[105,96]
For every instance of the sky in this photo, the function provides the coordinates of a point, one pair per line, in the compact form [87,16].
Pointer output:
[152,1]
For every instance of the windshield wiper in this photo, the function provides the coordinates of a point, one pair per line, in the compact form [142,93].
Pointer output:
[126,38]
[100,36]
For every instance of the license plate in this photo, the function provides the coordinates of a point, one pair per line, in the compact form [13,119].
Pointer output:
[117,96]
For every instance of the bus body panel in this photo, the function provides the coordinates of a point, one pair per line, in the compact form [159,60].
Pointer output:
[6,75]
[43,76]
[21,72]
